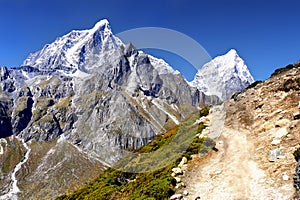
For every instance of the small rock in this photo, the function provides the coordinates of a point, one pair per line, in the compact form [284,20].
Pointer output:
[184,167]
[281,133]
[205,132]
[276,142]
[178,180]
[201,136]
[182,162]
[259,148]
[293,124]
[218,172]
[274,154]
[177,171]
[185,193]
[176,196]
[296,115]
[280,157]
[205,120]
[180,185]
[285,177]
[267,126]
[282,122]
[173,174]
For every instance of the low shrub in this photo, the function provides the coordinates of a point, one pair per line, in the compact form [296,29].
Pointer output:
[282,70]
[291,84]
[252,85]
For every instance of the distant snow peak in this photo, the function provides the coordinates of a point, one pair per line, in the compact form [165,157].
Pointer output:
[223,76]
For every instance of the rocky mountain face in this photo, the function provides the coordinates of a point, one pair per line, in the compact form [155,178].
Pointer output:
[223,76]
[79,104]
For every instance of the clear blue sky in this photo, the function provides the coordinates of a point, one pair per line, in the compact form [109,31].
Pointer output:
[266,34]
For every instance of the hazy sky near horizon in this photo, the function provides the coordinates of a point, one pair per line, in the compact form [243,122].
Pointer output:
[264,33]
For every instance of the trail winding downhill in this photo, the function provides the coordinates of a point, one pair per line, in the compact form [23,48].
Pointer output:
[14,189]
[231,172]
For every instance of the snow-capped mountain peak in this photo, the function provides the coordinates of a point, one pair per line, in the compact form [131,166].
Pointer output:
[102,23]
[70,51]
[223,76]
[85,50]
[232,52]
[103,27]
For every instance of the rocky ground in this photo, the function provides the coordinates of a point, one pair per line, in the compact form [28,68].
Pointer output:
[255,146]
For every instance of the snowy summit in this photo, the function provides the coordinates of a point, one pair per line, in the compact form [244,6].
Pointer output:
[223,76]
[75,49]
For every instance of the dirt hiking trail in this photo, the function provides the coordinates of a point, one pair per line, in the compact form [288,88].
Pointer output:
[230,172]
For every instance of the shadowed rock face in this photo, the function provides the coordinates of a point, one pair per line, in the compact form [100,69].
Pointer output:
[296,177]
[5,118]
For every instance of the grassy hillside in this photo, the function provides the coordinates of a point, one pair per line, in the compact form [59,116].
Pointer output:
[151,184]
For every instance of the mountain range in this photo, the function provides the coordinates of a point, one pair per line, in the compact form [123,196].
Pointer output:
[82,102]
